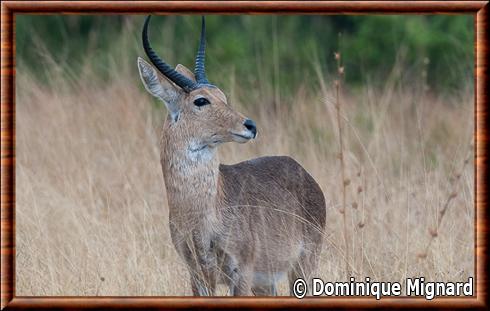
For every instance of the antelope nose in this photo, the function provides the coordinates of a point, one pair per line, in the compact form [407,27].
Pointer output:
[251,126]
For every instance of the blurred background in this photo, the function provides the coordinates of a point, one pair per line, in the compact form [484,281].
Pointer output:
[91,207]
[438,46]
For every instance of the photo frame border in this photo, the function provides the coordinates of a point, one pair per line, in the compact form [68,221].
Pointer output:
[9,9]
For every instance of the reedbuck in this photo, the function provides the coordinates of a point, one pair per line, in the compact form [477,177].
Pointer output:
[245,225]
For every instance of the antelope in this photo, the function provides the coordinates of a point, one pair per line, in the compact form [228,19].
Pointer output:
[246,225]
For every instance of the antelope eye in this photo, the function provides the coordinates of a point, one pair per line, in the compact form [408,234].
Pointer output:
[201,102]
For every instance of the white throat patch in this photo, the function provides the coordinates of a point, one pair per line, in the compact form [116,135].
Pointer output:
[199,152]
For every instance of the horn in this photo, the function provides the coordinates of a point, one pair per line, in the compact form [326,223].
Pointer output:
[199,69]
[186,84]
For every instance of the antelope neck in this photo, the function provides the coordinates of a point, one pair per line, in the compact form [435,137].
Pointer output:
[191,180]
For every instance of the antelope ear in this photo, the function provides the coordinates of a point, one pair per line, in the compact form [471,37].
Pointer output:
[185,71]
[160,86]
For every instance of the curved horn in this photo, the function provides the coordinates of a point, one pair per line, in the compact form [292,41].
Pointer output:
[199,69]
[186,84]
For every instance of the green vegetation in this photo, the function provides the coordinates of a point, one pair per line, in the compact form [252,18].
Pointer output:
[281,49]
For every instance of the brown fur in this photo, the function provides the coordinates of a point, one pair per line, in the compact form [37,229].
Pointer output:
[244,225]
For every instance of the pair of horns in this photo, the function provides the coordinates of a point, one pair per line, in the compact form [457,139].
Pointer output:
[182,81]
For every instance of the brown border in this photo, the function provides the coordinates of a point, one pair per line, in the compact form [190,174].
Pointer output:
[10,8]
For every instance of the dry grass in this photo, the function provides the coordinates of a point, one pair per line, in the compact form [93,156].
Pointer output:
[91,206]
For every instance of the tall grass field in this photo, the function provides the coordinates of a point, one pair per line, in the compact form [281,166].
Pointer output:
[91,207]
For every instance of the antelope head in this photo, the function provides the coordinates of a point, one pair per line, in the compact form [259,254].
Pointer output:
[198,113]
